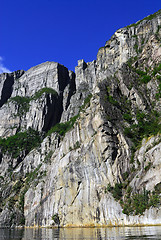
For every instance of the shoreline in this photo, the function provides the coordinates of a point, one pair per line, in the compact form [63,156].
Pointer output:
[84,226]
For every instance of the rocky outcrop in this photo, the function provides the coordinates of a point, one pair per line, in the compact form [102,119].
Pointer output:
[6,83]
[37,100]
[93,148]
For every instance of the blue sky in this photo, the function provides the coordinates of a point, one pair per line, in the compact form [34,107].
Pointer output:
[64,31]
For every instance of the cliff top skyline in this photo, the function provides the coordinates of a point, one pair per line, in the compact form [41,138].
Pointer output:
[33,32]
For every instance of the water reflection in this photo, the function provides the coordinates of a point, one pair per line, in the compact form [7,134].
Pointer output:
[115,233]
[14,234]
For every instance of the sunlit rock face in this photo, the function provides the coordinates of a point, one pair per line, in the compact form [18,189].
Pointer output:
[97,146]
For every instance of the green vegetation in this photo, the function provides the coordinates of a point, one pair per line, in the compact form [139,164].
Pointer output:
[112,100]
[143,77]
[22,220]
[17,186]
[44,90]
[125,175]
[159,27]
[158,188]
[148,166]
[150,17]
[116,190]
[21,143]
[128,117]
[156,69]
[131,61]
[136,47]
[2,178]
[148,124]
[76,145]
[23,104]
[157,33]
[48,156]
[159,77]
[140,73]
[56,218]
[32,175]
[11,203]
[62,128]
[154,143]
[22,198]
[135,203]
[86,102]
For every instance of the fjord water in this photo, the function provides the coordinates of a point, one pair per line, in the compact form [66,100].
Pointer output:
[113,233]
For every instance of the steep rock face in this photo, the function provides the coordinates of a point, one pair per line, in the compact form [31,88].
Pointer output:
[96,151]
[80,169]
[6,84]
[32,104]
[126,42]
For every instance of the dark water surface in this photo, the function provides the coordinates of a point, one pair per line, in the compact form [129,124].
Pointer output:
[120,233]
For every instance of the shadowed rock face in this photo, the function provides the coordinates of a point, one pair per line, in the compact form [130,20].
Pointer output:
[6,85]
[104,153]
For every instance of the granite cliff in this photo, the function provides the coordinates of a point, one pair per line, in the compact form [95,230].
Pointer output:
[84,148]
